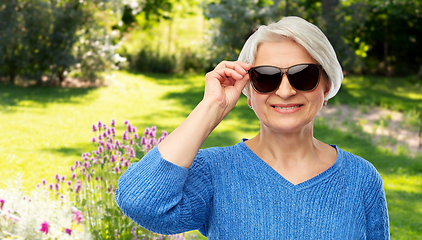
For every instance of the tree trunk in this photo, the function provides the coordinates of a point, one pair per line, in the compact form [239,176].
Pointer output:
[12,77]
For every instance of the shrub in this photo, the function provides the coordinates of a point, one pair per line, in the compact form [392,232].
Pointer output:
[40,216]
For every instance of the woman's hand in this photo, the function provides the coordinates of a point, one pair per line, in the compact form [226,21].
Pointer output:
[223,86]
[225,83]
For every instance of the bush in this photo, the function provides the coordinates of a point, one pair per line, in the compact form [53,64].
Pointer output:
[69,36]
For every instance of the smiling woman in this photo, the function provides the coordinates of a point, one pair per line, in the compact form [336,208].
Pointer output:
[281,184]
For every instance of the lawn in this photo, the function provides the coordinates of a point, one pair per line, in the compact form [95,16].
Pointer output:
[44,130]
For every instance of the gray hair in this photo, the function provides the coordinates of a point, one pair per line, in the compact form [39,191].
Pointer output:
[305,34]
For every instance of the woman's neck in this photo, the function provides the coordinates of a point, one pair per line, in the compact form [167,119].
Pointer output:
[297,156]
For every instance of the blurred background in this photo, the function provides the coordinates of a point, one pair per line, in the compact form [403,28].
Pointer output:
[46,42]
[67,64]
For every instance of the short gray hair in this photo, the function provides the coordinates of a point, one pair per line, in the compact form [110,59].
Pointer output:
[305,34]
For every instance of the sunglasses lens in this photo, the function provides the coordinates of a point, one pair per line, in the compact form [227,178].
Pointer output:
[265,79]
[304,77]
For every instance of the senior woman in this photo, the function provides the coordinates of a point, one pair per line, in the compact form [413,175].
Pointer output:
[282,183]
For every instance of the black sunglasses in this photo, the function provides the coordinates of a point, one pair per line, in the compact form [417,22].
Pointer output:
[302,77]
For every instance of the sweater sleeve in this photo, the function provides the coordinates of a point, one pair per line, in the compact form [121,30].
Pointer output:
[166,198]
[376,209]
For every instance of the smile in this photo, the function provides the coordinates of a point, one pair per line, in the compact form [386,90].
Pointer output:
[287,108]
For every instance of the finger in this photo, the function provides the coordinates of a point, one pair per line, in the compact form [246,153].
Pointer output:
[227,74]
[244,65]
[239,67]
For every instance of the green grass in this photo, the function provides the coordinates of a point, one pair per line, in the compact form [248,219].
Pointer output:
[44,130]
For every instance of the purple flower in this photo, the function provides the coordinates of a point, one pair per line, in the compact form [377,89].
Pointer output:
[44,182]
[105,135]
[164,134]
[77,188]
[117,169]
[44,227]
[68,231]
[126,122]
[143,141]
[104,126]
[93,140]
[113,122]
[108,146]
[117,143]
[146,132]
[100,137]
[125,135]
[100,124]
[77,164]
[57,177]
[63,178]
[132,153]
[94,128]
[74,176]
[100,149]
[50,186]
[135,136]
[72,168]
[127,163]
[38,185]
[116,234]
[134,233]
[69,183]
[113,158]
[88,177]
[152,134]
[1,204]
[77,216]
[122,159]
[57,186]
[87,165]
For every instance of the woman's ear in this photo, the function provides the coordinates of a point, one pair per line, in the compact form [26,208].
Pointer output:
[327,85]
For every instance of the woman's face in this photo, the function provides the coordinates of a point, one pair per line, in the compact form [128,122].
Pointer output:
[286,109]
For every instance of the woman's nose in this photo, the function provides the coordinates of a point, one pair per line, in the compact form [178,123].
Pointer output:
[285,90]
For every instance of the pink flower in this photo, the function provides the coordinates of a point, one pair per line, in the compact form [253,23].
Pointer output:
[1,204]
[44,227]
[113,122]
[77,216]
[68,231]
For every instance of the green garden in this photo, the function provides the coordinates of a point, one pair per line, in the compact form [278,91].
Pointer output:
[46,123]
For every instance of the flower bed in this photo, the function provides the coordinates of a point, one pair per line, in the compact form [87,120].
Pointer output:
[83,206]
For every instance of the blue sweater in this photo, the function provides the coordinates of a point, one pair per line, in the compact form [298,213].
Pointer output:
[230,193]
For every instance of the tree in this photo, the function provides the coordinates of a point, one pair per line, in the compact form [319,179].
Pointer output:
[386,34]
[233,21]
[48,39]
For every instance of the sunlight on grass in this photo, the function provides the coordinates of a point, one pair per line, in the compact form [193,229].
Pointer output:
[45,130]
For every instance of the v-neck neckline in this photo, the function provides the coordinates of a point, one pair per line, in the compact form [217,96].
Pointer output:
[305,184]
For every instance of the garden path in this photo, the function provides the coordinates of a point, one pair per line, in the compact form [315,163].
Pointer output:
[387,128]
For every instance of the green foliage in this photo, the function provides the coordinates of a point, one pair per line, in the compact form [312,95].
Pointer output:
[172,45]
[232,23]
[51,39]
[385,34]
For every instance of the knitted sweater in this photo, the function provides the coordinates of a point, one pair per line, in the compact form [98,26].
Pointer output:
[230,193]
